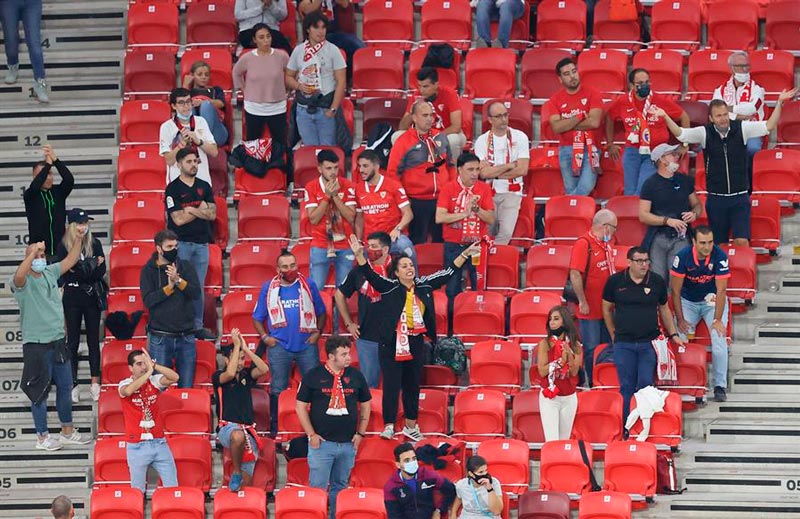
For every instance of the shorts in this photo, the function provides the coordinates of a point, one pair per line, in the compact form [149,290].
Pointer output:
[224,438]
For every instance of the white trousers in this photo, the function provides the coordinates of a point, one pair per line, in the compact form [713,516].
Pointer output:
[558,414]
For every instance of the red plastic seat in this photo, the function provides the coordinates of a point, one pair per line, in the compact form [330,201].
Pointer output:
[544,179]
[179,503]
[733,25]
[264,217]
[109,412]
[479,414]
[305,163]
[301,503]
[561,24]
[388,23]
[152,24]
[611,183]
[509,461]
[665,67]
[433,411]
[525,228]
[265,473]
[605,69]
[252,263]
[297,472]
[789,125]
[604,375]
[125,264]
[138,219]
[698,116]
[536,504]
[449,77]
[374,463]
[140,169]
[708,69]
[220,61]
[692,367]
[676,25]
[140,122]
[288,423]
[149,73]
[538,78]
[783,18]
[630,467]
[193,460]
[430,257]
[382,109]
[613,34]
[360,503]
[211,23]
[562,468]
[496,364]
[273,183]
[449,21]
[520,114]
[288,26]
[247,503]
[378,71]
[128,301]
[599,417]
[776,174]
[111,461]
[765,224]
[526,421]
[185,410]
[502,272]
[605,505]
[237,311]
[666,428]
[568,217]
[479,315]
[455,463]
[528,316]
[117,503]
[490,73]
[630,231]
[773,70]
[742,264]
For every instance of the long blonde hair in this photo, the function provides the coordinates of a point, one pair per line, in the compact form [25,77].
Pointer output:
[71,234]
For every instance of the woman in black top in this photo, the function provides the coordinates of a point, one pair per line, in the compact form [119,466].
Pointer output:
[84,297]
[401,340]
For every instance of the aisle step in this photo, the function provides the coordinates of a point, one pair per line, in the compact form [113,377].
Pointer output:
[751,481]
[778,333]
[762,381]
[753,431]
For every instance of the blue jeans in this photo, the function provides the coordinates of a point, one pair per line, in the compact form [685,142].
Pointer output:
[315,129]
[404,245]
[61,376]
[320,264]
[151,452]
[487,11]
[217,127]
[30,13]
[636,368]
[593,332]
[346,41]
[693,312]
[224,438]
[178,350]
[330,465]
[573,185]
[280,365]
[637,168]
[368,361]
[197,255]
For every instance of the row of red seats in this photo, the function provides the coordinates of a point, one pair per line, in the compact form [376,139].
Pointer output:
[188,502]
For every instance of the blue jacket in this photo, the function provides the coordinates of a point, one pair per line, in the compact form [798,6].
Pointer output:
[433,491]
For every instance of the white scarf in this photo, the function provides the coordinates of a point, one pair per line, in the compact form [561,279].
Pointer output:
[308,317]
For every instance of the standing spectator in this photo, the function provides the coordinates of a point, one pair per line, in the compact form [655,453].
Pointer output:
[169,288]
[367,331]
[185,131]
[318,74]
[144,428]
[45,203]
[62,508]
[208,101]
[234,400]
[574,114]
[29,12]
[270,13]
[84,296]
[590,265]
[559,358]
[643,129]
[45,355]
[633,300]
[333,408]
[382,205]
[668,206]
[294,314]
[480,494]
[466,210]
[421,159]
[416,492]
[725,148]
[505,155]
[699,280]
[446,109]
[504,11]
[407,305]
[330,205]
[192,211]
[341,14]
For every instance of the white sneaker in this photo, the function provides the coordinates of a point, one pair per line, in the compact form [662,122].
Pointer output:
[388,432]
[48,443]
[75,438]
[76,395]
[413,433]
[40,91]
[95,392]
[12,74]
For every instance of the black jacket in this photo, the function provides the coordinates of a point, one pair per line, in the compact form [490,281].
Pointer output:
[172,313]
[433,492]
[46,210]
[84,277]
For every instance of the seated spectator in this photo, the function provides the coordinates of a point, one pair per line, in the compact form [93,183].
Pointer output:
[416,492]
[61,508]
[317,73]
[45,202]
[186,130]
[207,101]
[559,358]
[341,14]
[504,11]
[479,494]
[446,109]
[236,427]
[271,13]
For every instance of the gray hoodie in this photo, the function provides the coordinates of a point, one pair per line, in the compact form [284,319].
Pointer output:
[250,12]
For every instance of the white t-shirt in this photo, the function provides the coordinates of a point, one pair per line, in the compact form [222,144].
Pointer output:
[520,149]
[475,501]
[318,71]
[167,137]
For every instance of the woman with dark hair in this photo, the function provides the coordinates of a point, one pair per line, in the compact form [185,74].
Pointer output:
[559,358]
[408,316]
[479,494]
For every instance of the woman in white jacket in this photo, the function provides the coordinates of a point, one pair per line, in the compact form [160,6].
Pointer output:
[269,12]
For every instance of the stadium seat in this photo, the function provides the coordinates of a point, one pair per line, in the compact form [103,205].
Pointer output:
[128,301]
[117,503]
[612,182]
[211,24]
[479,414]
[508,459]
[430,257]
[783,18]
[526,421]
[561,24]
[535,504]
[185,410]
[247,503]
[562,468]
[374,463]
[732,28]
[502,272]
[630,231]
[539,80]
[140,169]
[490,73]
[125,264]
[497,365]
[140,122]
[567,217]
[528,316]
[361,503]
[153,25]
[520,115]
[193,460]
[605,69]
[692,367]
[467,118]
[742,263]
[264,217]
[433,411]
[449,77]
[605,505]
[149,73]
[455,467]
[708,69]
[479,315]
[288,424]
[599,417]
[604,374]
[666,428]
[630,467]
[765,224]
[773,70]
[676,25]
[237,311]
[525,228]
[138,219]
[178,503]
[274,183]
[301,503]
[698,116]
[109,412]
[544,179]
[288,26]
[111,461]
[547,267]
[789,125]
[776,174]
[305,164]
[265,474]
[378,71]
[388,23]
[297,473]
[376,424]
[447,21]
[382,109]
[220,61]
[253,263]
[665,67]
[612,34]
[206,364]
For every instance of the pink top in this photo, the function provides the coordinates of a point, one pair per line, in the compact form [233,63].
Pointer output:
[261,77]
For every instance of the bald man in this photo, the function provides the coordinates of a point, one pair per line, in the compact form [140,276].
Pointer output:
[62,508]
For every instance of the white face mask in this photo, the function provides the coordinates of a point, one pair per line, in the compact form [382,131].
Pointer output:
[672,167]
[742,77]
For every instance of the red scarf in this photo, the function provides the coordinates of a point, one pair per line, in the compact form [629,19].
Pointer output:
[368,290]
[309,51]
[556,369]
[471,225]
[413,308]
[178,138]
[250,434]
[514,184]
[640,133]
[606,248]
[729,95]
[337,405]
[583,144]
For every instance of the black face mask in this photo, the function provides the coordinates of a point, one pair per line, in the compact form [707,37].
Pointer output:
[170,255]
[480,477]
[555,332]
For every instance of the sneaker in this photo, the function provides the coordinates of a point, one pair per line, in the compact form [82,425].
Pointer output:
[75,438]
[95,392]
[719,394]
[76,395]
[235,483]
[412,433]
[12,74]
[204,334]
[388,432]
[40,90]
[48,443]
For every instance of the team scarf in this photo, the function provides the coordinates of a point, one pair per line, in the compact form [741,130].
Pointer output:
[583,144]
[640,132]
[337,405]
[191,146]
[514,184]
[308,317]
[729,95]
[556,369]
[334,228]
[471,225]
[368,290]
[309,51]
[250,435]
[145,393]
[410,323]
[606,248]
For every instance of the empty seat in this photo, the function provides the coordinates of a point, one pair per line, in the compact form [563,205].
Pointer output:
[117,503]
[125,264]
[479,315]
[149,73]
[773,70]
[599,417]
[742,264]
[111,461]
[733,25]
[192,459]
[211,23]
[433,411]
[247,503]
[151,24]
[544,179]
[185,410]
[138,219]
[264,217]
[536,504]
[360,503]
[253,263]
[179,503]
[611,182]
[547,267]
[526,421]
[708,69]
[561,24]
[301,502]
[528,316]
[273,183]
[783,18]
[789,125]
[502,269]
[665,67]
[374,463]
[765,224]
[614,34]
[605,505]
[140,121]
[538,66]
[109,412]
[288,423]
[509,462]
[378,71]
[676,25]
[630,231]
[220,61]
[237,311]
[447,20]
[382,109]
[490,73]
[604,374]
[630,467]
[140,169]
[568,217]
[479,414]
[525,228]
[430,258]
[605,69]
[692,364]
[388,23]
[562,468]
[776,174]
[496,364]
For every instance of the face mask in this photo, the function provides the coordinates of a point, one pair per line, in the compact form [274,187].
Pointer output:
[555,332]
[183,118]
[742,77]
[480,477]
[411,467]
[38,265]
[290,276]
[606,237]
[672,167]
[643,90]
[170,255]
[374,255]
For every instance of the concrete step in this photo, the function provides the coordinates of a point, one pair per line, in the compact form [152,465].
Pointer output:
[102,36]
[759,381]
[779,483]
[722,455]
[35,479]
[753,431]
[24,504]
[79,88]
[734,409]
[17,164]
[729,504]
[24,454]
[778,334]
[766,357]
[61,136]
[105,13]
[63,66]
[88,187]
[16,408]
[63,112]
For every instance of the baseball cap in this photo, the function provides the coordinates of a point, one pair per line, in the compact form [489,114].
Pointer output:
[661,150]
[77,215]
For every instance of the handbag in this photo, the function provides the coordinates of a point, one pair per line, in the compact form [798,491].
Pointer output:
[569,291]
[667,476]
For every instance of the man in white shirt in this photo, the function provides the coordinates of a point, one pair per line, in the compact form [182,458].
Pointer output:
[504,154]
[185,130]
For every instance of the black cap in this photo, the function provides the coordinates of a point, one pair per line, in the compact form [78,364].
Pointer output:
[77,215]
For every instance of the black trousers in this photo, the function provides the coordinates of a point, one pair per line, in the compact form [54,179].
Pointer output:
[279,41]
[424,222]
[405,376]
[74,314]
[278,129]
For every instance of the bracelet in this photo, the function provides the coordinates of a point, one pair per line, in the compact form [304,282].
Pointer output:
[673,335]
[666,219]
[464,256]
[360,434]
[490,489]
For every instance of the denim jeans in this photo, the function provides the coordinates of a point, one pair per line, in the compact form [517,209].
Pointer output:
[151,452]
[573,185]
[280,369]
[368,361]
[224,439]
[61,376]
[453,287]
[178,350]
[637,168]
[404,245]
[197,255]
[593,332]
[693,312]
[486,11]
[315,129]
[330,465]
[29,12]
[320,264]
[636,368]
[217,127]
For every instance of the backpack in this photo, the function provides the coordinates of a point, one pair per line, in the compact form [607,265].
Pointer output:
[379,140]
[439,55]
[667,475]
[450,352]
